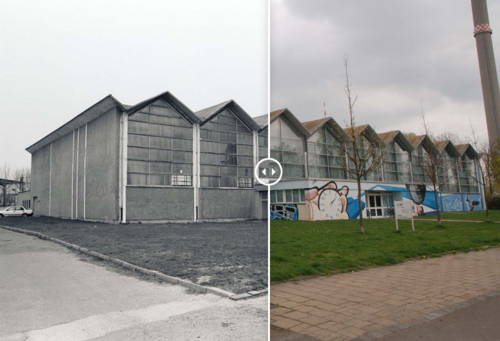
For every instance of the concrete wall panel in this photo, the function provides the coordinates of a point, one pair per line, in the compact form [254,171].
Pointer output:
[156,203]
[61,176]
[102,167]
[228,203]
[40,179]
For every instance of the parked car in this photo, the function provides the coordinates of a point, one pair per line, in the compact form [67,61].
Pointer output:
[15,211]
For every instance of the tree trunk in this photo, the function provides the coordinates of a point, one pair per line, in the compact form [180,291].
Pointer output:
[485,203]
[360,207]
[437,206]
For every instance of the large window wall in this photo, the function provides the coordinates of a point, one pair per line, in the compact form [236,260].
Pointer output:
[263,144]
[226,153]
[288,148]
[396,164]
[160,147]
[420,160]
[468,175]
[448,173]
[323,155]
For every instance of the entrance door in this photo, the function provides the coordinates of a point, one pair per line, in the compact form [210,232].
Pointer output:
[380,205]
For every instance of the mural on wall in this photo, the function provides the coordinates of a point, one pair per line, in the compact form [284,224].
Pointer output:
[461,202]
[284,211]
[330,202]
[417,196]
[473,203]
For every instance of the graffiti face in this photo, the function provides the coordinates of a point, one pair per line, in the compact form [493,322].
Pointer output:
[327,202]
[286,211]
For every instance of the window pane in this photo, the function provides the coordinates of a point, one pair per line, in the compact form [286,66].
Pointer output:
[227,182]
[138,153]
[138,128]
[138,140]
[246,139]
[184,133]
[182,144]
[209,181]
[182,168]
[139,117]
[160,168]
[182,156]
[180,122]
[161,119]
[160,143]
[137,179]
[137,166]
[210,159]
[280,196]
[209,170]
[232,171]
[289,196]
[161,130]
[159,155]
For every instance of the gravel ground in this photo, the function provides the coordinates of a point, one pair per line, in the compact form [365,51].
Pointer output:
[230,256]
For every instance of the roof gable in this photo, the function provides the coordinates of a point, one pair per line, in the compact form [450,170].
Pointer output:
[207,114]
[467,149]
[314,126]
[447,146]
[96,110]
[398,136]
[369,133]
[291,119]
[180,107]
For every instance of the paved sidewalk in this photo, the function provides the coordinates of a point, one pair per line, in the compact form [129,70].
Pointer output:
[372,303]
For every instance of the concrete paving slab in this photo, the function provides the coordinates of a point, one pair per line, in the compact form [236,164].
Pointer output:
[380,301]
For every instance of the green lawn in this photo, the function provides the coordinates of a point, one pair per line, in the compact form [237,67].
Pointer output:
[301,248]
[473,215]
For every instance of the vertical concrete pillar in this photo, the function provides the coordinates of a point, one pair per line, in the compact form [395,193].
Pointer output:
[487,68]
[123,174]
[50,179]
[196,170]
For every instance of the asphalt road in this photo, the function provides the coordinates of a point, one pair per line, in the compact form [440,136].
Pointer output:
[48,292]
[478,322]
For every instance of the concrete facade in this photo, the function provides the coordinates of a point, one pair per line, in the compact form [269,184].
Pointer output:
[104,166]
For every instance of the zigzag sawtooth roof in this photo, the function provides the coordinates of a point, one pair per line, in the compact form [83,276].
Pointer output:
[441,145]
[388,136]
[207,114]
[416,140]
[463,148]
[314,125]
[276,113]
[357,130]
[262,121]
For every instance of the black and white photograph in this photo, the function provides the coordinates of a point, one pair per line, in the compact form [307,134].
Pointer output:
[129,205]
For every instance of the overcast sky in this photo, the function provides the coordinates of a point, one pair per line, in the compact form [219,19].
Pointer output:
[57,58]
[400,52]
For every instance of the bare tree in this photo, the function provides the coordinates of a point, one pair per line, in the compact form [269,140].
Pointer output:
[487,166]
[5,173]
[439,170]
[364,150]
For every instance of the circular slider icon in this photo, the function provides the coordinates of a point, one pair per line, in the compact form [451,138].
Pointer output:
[268,172]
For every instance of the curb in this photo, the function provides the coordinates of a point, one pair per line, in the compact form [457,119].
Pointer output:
[152,273]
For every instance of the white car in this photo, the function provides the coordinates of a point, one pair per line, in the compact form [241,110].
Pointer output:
[15,211]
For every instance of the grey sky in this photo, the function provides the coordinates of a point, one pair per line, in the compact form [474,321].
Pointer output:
[400,52]
[57,58]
